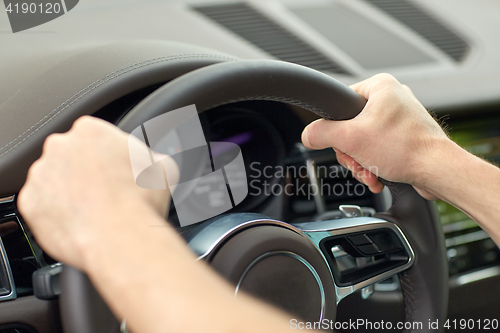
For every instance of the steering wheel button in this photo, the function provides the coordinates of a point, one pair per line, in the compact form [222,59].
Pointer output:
[385,241]
[360,240]
[368,249]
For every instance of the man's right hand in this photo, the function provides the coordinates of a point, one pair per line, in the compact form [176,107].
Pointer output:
[394,137]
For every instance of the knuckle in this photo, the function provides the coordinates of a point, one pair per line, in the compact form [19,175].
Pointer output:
[88,123]
[386,81]
[88,126]
[22,198]
[84,125]
[407,88]
[25,201]
[386,78]
[53,142]
[83,121]
[34,172]
[25,196]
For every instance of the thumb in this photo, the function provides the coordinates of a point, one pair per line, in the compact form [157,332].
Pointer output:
[321,134]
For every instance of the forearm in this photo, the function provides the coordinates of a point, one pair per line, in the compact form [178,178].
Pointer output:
[145,260]
[468,183]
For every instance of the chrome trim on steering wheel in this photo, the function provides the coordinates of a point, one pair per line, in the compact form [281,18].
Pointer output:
[317,231]
[209,236]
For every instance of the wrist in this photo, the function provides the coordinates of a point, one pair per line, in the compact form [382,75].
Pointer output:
[118,231]
[439,166]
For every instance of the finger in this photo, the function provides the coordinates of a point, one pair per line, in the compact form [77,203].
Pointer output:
[372,181]
[363,87]
[363,175]
[369,179]
[342,158]
[349,163]
[377,188]
[370,86]
[321,134]
[407,88]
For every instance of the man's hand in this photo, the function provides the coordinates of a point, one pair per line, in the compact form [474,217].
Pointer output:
[82,180]
[393,137]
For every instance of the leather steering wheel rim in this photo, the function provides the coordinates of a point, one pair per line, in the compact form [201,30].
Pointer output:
[424,285]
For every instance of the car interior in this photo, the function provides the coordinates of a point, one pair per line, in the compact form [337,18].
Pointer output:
[259,71]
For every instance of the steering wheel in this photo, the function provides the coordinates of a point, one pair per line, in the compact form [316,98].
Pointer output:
[297,267]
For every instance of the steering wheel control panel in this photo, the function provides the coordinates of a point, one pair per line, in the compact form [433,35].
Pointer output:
[366,254]
[354,252]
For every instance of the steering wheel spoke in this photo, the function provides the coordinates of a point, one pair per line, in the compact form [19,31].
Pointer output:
[358,252]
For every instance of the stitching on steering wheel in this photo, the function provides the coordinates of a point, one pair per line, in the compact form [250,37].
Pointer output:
[409,298]
[278,99]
